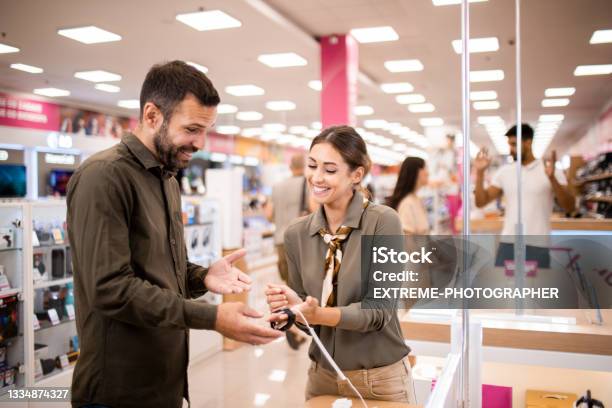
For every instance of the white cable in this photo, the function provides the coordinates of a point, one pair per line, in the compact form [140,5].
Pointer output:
[328,357]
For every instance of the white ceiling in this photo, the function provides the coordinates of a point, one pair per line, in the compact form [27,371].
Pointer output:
[555,39]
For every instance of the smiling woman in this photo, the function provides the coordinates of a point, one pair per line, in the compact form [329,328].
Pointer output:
[323,253]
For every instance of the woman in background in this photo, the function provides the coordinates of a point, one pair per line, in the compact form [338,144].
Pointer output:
[412,176]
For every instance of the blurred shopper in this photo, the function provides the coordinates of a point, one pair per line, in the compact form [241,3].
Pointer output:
[412,176]
[540,183]
[324,259]
[133,283]
[289,200]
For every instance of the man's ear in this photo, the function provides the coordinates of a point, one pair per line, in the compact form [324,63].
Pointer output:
[152,117]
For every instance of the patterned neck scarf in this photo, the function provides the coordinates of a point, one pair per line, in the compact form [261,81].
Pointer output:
[333,259]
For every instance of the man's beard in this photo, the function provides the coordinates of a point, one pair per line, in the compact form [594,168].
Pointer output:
[168,152]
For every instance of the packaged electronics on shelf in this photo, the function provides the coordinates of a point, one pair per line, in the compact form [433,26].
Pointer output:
[9,317]
[595,180]
[52,257]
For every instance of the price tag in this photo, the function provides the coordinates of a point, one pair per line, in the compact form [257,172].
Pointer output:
[64,361]
[53,317]
[36,322]
[70,311]
[58,236]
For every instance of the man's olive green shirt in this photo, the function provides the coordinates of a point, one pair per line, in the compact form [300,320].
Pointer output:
[132,281]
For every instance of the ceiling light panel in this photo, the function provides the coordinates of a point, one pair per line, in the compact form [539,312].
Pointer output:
[209,20]
[89,35]
[98,76]
[408,65]
[244,90]
[282,60]
[486,44]
[374,34]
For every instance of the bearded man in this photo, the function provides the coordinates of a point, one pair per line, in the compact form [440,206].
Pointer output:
[134,286]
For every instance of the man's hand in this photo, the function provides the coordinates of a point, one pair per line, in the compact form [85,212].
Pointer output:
[549,165]
[223,278]
[482,160]
[233,322]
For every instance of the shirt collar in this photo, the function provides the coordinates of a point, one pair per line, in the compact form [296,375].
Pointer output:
[352,218]
[144,155]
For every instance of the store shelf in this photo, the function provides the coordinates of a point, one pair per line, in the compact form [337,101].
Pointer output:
[44,325]
[10,292]
[53,282]
[597,177]
[601,199]
[6,389]
[52,246]
[54,375]
[10,249]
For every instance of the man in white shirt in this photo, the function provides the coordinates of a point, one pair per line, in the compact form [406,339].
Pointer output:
[540,183]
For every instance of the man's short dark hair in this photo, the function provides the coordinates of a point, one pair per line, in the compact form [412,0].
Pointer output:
[166,85]
[526,131]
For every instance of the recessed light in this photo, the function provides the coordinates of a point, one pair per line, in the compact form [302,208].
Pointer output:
[97,76]
[363,110]
[27,68]
[486,105]
[228,130]
[129,103]
[197,66]
[298,130]
[483,120]
[274,127]
[451,2]
[425,122]
[208,20]
[409,98]
[485,44]
[487,75]
[280,105]
[315,84]
[282,60]
[421,107]
[249,116]
[601,37]
[409,65]
[549,103]
[551,118]
[89,35]
[7,49]
[224,108]
[251,132]
[375,123]
[483,95]
[396,87]
[51,92]
[374,34]
[555,92]
[602,69]
[107,88]
[244,90]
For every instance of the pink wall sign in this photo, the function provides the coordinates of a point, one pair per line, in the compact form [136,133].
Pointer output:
[220,143]
[19,112]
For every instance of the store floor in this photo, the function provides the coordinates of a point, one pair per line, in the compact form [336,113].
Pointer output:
[270,376]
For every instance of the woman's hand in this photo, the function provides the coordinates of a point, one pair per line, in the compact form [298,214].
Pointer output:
[281,296]
[309,309]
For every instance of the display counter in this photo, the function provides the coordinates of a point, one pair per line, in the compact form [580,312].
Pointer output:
[326,401]
[550,330]
[494,224]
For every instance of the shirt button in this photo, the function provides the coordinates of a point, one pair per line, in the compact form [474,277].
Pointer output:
[172,241]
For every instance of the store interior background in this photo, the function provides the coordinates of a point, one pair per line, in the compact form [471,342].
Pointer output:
[51,136]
